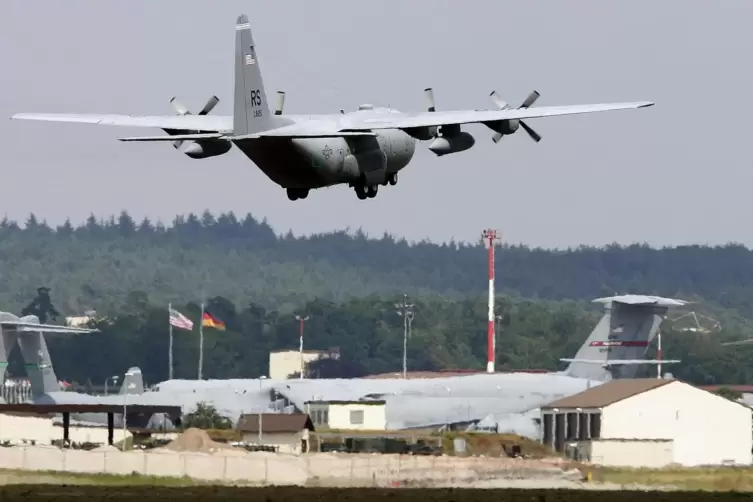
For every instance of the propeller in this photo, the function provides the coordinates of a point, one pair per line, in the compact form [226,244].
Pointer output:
[502,105]
[181,110]
[280,102]
[431,107]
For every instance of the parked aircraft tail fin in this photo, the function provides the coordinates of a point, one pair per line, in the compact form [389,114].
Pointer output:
[620,339]
[133,382]
[38,364]
[250,109]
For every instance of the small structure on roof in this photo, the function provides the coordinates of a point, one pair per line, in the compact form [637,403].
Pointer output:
[286,432]
[368,415]
[649,423]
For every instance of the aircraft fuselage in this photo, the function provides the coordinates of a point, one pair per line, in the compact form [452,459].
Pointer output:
[303,164]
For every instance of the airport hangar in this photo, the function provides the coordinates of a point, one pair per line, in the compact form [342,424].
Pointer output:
[649,422]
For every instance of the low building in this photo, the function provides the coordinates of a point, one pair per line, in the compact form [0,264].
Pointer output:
[288,432]
[283,363]
[349,415]
[649,423]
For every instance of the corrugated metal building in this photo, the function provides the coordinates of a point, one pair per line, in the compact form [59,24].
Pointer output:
[649,423]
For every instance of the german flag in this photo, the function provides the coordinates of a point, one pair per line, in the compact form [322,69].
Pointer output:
[209,321]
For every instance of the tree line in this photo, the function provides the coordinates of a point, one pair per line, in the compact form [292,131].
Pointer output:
[445,334]
[100,264]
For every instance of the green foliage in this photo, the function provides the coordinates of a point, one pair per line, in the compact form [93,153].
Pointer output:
[108,265]
[729,393]
[206,416]
[256,280]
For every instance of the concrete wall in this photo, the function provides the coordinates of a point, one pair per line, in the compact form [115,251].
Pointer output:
[286,442]
[628,453]
[278,469]
[706,429]
[18,429]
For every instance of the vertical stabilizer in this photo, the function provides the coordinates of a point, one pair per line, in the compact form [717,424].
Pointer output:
[8,340]
[621,337]
[38,363]
[250,109]
[133,382]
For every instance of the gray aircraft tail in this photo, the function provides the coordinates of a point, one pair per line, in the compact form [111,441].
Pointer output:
[38,364]
[250,110]
[620,340]
[133,382]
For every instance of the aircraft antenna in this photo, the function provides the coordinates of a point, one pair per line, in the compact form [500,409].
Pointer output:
[491,238]
[695,323]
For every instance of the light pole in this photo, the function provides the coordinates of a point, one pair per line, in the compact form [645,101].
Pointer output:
[125,405]
[301,320]
[114,382]
[405,309]
[261,410]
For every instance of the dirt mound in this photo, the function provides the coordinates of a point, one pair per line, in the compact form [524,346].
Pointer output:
[195,440]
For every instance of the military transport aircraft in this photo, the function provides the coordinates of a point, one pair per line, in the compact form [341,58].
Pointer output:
[365,148]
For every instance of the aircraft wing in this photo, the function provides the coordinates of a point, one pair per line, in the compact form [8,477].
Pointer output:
[438,118]
[26,327]
[214,123]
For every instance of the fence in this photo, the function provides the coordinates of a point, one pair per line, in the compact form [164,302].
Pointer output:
[277,469]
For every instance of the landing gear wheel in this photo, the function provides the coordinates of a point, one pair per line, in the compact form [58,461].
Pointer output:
[297,193]
[393,179]
[371,191]
[360,192]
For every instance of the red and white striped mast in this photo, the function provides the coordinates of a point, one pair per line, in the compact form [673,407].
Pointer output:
[491,238]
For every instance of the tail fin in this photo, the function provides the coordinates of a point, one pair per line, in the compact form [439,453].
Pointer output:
[250,110]
[622,336]
[133,382]
[38,364]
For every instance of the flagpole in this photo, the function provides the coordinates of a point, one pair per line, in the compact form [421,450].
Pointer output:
[201,339]
[170,353]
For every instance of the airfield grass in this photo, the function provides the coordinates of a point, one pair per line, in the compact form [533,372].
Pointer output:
[739,479]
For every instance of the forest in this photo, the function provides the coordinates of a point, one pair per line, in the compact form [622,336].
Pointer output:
[256,280]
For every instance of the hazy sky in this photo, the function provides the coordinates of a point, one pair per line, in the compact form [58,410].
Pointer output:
[679,172]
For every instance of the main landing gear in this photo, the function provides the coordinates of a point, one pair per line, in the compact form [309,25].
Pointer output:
[370,191]
[297,193]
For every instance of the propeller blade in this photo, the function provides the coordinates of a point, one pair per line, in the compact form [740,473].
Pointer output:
[533,134]
[280,102]
[531,99]
[211,103]
[179,107]
[501,103]
[497,137]
[429,95]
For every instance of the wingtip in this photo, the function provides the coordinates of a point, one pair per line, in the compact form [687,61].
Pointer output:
[646,104]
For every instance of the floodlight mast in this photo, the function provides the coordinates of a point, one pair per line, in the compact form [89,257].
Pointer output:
[491,238]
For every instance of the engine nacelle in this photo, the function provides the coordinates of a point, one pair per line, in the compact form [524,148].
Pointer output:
[504,127]
[421,133]
[207,148]
[452,144]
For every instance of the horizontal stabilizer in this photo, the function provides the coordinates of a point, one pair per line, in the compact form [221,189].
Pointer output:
[29,327]
[619,362]
[176,137]
[749,341]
